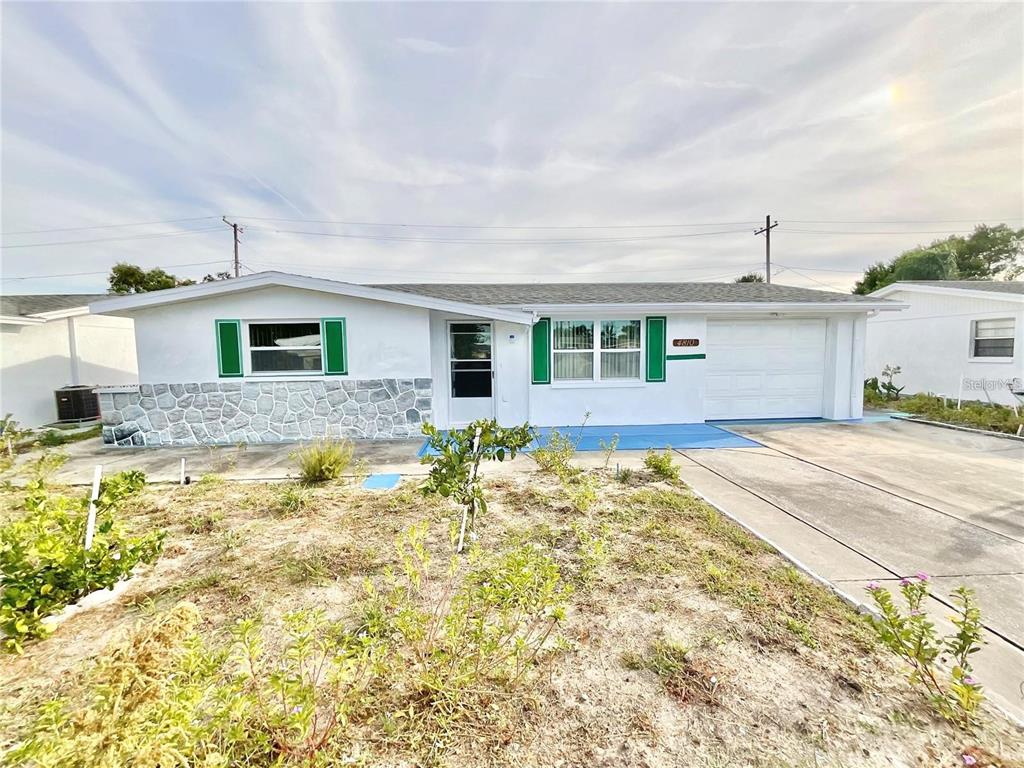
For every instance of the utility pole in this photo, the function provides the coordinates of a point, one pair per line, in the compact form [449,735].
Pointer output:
[766,230]
[236,230]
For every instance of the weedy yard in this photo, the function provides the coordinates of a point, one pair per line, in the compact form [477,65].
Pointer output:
[595,620]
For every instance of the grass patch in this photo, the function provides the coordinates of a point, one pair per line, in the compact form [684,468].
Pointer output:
[685,678]
[324,460]
[319,563]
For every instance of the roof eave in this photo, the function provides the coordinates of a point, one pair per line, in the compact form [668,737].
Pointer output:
[125,305]
[21,320]
[968,293]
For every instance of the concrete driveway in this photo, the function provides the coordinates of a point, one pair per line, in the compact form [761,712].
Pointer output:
[872,502]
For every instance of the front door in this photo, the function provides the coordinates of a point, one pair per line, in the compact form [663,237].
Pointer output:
[471,365]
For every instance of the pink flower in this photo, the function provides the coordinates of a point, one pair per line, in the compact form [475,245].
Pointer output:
[921,576]
[905,581]
[873,585]
[968,680]
[969,759]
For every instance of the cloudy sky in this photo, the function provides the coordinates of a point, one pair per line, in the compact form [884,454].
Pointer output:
[575,142]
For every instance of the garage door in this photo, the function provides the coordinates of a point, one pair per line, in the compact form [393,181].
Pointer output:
[764,369]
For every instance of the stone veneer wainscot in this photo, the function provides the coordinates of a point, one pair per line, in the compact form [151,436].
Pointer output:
[263,412]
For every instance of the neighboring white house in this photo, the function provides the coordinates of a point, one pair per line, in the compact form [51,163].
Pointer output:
[51,341]
[275,356]
[959,337]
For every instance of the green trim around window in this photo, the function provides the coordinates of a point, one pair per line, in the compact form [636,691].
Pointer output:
[540,361]
[656,327]
[697,356]
[229,348]
[335,346]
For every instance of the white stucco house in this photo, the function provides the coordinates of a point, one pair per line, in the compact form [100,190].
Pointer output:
[48,341]
[275,356]
[958,338]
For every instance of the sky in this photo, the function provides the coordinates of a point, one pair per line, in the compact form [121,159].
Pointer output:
[501,142]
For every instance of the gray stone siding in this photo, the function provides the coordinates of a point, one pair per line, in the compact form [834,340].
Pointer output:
[229,412]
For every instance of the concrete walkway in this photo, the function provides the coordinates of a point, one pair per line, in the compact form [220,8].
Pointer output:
[856,503]
[252,462]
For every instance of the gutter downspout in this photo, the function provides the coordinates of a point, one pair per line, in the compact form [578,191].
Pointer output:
[76,374]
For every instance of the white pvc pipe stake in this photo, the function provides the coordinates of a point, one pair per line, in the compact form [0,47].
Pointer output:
[960,392]
[90,523]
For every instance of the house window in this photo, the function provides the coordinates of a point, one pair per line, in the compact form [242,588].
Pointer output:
[285,347]
[610,354]
[993,338]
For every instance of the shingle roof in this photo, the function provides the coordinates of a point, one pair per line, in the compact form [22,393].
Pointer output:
[992,286]
[34,304]
[527,294]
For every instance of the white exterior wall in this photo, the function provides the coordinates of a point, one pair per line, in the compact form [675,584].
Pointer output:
[931,342]
[677,400]
[844,367]
[177,343]
[37,359]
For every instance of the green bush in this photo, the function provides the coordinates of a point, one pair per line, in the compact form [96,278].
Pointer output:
[45,564]
[912,636]
[454,463]
[410,676]
[661,464]
[990,416]
[324,460]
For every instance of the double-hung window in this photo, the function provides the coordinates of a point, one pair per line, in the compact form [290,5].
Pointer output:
[285,347]
[596,350]
[992,338]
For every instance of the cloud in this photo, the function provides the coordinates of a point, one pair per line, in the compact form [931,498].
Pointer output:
[567,115]
[421,45]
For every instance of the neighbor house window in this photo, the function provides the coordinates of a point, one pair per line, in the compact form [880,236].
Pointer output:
[285,347]
[993,338]
[596,350]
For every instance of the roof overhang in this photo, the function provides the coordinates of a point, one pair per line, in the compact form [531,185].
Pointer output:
[21,320]
[967,293]
[126,305]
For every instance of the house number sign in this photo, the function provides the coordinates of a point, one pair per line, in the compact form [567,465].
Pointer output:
[685,342]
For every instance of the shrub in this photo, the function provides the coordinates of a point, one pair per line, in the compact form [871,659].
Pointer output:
[990,416]
[554,455]
[456,460]
[661,464]
[412,674]
[682,676]
[913,638]
[324,460]
[44,561]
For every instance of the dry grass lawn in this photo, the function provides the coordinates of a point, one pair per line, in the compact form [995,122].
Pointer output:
[687,641]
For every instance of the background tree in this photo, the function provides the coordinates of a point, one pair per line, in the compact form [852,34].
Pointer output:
[750,277]
[987,253]
[131,278]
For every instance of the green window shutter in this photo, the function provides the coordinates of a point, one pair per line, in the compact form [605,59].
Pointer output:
[229,347]
[541,359]
[656,348]
[332,332]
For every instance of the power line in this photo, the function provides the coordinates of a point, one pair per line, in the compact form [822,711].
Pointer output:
[505,241]
[106,226]
[489,226]
[104,272]
[114,239]
[868,232]
[904,221]
[406,271]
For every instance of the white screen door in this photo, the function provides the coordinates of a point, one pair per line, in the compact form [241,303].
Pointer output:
[471,366]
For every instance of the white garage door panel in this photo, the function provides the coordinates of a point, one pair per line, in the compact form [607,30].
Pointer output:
[764,369]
